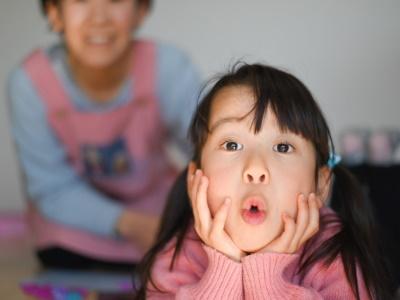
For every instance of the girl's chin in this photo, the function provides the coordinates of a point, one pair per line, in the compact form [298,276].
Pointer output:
[252,246]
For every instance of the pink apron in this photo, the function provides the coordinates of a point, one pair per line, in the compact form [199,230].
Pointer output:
[119,152]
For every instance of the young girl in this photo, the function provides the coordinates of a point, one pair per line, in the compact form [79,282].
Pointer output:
[249,220]
[91,116]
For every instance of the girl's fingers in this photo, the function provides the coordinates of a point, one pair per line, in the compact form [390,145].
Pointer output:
[295,234]
[302,221]
[319,203]
[218,237]
[200,224]
[203,210]
[313,224]
[288,233]
[195,186]
[210,230]
[190,175]
[192,194]
[195,189]
[220,218]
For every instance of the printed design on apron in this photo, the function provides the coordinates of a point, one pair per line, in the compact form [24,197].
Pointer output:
[111,160]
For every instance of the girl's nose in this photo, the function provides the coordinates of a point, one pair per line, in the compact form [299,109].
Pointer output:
[256,172]
[255,178]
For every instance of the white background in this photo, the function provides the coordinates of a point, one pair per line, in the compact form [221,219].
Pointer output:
[346,51]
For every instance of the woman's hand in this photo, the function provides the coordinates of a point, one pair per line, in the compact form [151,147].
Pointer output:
[210,230]
[297,232]
[130,226]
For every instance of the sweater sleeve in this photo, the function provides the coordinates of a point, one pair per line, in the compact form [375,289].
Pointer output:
[266,276]
[58,192]
[198,273]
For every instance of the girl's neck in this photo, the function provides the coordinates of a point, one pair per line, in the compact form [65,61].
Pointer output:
[101,84]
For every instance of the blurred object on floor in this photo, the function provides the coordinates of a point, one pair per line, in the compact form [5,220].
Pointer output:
[79,285]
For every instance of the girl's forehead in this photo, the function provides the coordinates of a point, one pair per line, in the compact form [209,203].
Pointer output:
[236,104]
[232,101]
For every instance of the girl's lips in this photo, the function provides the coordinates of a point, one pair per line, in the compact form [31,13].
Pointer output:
[253,210]
[253,217]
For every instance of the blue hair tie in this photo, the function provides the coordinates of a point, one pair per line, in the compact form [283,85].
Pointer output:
[334,160]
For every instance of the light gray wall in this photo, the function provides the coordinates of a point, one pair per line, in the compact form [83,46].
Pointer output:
[346,51]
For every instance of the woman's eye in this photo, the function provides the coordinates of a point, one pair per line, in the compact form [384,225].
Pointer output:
[232,146]
[283,148]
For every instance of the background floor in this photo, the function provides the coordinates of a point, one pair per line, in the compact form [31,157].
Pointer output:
[16,263]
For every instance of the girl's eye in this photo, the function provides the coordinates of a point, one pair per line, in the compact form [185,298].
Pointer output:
[283,148]
[232,146]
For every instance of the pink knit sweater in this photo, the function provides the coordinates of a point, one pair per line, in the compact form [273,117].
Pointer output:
[201,272]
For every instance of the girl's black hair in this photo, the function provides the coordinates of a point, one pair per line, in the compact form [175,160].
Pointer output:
[44,3]
[296,111]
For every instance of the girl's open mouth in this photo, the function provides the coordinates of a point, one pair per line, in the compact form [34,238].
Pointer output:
[253,211]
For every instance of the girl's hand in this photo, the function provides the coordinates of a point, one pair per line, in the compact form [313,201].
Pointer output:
[211,230]
[296,233]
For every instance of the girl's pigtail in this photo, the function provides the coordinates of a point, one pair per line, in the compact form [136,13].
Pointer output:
[358,236]
[175,222]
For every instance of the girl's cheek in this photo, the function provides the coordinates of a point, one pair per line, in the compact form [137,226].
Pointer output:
[213,201]
[215,190]
[288,205]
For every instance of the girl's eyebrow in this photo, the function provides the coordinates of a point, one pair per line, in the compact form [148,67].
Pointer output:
[224,121]
[220,122]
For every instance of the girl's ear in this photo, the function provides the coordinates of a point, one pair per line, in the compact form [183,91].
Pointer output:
[54,17]
[324,183]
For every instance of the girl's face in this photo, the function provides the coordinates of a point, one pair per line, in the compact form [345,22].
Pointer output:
[96,32]
[262,173]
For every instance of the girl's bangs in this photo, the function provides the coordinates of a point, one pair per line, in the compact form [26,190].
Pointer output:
[291,108]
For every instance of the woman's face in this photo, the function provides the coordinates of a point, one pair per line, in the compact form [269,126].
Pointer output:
[97,33]
[262,173]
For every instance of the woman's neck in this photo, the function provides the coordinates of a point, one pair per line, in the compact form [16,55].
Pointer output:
[101,84]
